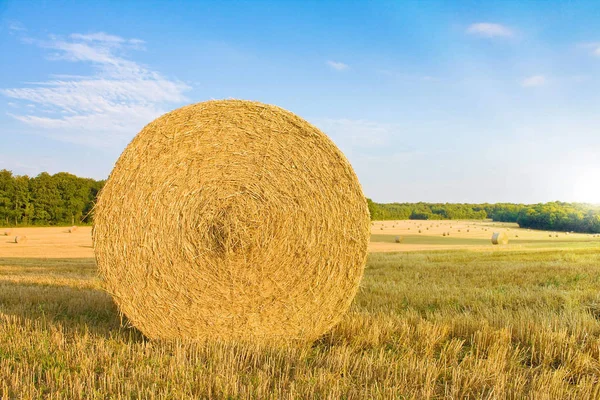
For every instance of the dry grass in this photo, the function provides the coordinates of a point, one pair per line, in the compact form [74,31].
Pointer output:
[459,324]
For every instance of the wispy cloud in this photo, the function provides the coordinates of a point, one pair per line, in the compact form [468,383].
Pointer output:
[489,30]
[359,134]
[534,81]
[593,47]
[104,108]
[338,66]
[16,27]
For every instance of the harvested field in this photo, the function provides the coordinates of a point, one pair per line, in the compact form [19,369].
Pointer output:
[443,324]
[57,243]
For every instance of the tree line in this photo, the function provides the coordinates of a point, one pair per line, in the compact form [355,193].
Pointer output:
[555,216]
[65,199]
[59,199]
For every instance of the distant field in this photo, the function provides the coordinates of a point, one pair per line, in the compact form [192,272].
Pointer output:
[442,317]
[48,243]
[467,235]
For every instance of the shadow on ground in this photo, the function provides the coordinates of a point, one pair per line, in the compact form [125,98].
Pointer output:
[77,309]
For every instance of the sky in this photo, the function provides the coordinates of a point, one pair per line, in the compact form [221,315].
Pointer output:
[437,101]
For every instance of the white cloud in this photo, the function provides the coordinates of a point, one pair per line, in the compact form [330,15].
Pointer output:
[104,108]
[593,47]
[533,81]
[487,29]
[338,66]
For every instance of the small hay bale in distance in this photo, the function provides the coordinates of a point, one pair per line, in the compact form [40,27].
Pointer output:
[499,238]
[398,239]
[73,229]
[232,221]
[7,232]
[20,239]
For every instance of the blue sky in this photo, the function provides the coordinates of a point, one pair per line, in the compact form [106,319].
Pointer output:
[463,101]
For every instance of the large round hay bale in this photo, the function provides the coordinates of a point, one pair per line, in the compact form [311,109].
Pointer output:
[7,232]
[232,220]
[499,238]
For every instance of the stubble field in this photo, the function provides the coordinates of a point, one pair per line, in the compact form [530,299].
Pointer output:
[436,317]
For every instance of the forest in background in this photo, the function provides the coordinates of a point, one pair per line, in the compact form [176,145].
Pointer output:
[46,200]
[65,199]
[553,216]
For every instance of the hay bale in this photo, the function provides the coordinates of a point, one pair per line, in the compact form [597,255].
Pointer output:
[8,232]
[73,229]
[443,233]
[232,220]
[499,238]
[20,239]
[398,239]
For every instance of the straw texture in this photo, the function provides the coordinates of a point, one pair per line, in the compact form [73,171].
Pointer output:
[499,238]
[232,220]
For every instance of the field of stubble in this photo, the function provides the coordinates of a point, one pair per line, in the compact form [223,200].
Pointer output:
[480,322]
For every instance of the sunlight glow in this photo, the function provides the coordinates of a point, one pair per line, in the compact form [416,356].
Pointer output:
[586,187]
